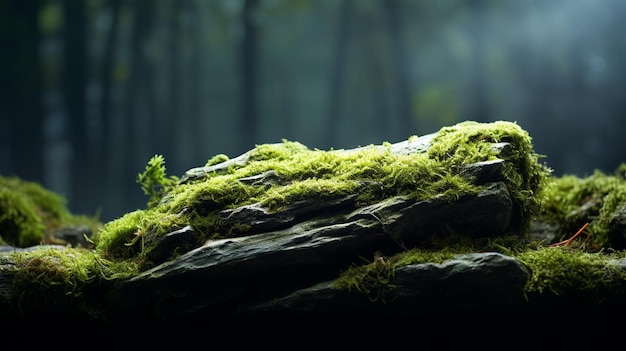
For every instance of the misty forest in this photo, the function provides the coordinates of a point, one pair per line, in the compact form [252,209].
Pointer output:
[90,90]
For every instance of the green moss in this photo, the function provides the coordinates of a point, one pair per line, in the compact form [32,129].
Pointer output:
[375,279]
[59,278]
[153,180]
[372,173]
[555,271]
[470,142]
[219,158]
[572,201]
[20,225]
[30,214]
[559,271]
[295,172]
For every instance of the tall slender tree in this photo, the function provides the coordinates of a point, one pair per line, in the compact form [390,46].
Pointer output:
[338,64]
[249,78]
[170,122]
[400,62]
[106,79]
[21,114]
[74,90]
[135,91]
[196,78]
[103,149]
[479,109]
[375,62]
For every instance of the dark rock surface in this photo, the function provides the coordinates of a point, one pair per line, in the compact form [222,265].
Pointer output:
[223,275]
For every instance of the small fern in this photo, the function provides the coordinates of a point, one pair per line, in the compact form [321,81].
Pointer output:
[154,181]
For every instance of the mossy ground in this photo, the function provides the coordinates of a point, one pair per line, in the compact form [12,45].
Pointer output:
[555,270]
[31,214]
[590,265]
[120,247]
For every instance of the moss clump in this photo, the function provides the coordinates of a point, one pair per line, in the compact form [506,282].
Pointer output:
[219,158]
[375,279]
[572,201]
[59,278]
[470,142]
[589,270]
[30,214]
[561,271]
[372,173]
[556,271]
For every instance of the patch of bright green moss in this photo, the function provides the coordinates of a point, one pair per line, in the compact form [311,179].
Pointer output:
[554,270]
[30,214]
[372,173]
[59,276]
[375,279]
[153,181]
[470,142]
[570,201]
[573,201]
[559,271]
[219,158]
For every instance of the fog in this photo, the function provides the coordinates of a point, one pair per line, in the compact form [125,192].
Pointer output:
[91,90]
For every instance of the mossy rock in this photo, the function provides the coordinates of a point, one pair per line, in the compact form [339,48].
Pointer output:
[596,202]
[32,215]
[281,179]
[276,177]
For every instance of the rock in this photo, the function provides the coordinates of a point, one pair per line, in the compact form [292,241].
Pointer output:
[467,283]
[486,214]
[170,242]
[75,236]
[617,225]
[208,255]
[308,251]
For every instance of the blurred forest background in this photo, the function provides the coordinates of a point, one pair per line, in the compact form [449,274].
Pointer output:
[90,90]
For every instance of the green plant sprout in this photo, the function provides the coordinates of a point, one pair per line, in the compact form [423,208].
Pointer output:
[154,181]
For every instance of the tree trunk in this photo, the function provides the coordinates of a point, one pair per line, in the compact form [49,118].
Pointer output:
[103,148]
[249,80]
[478,106]
[21,115]
[340,53]
[198,62]
[107,78]
[168,122]
[74,87]
[375,64]
[399,57]
[142,10]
